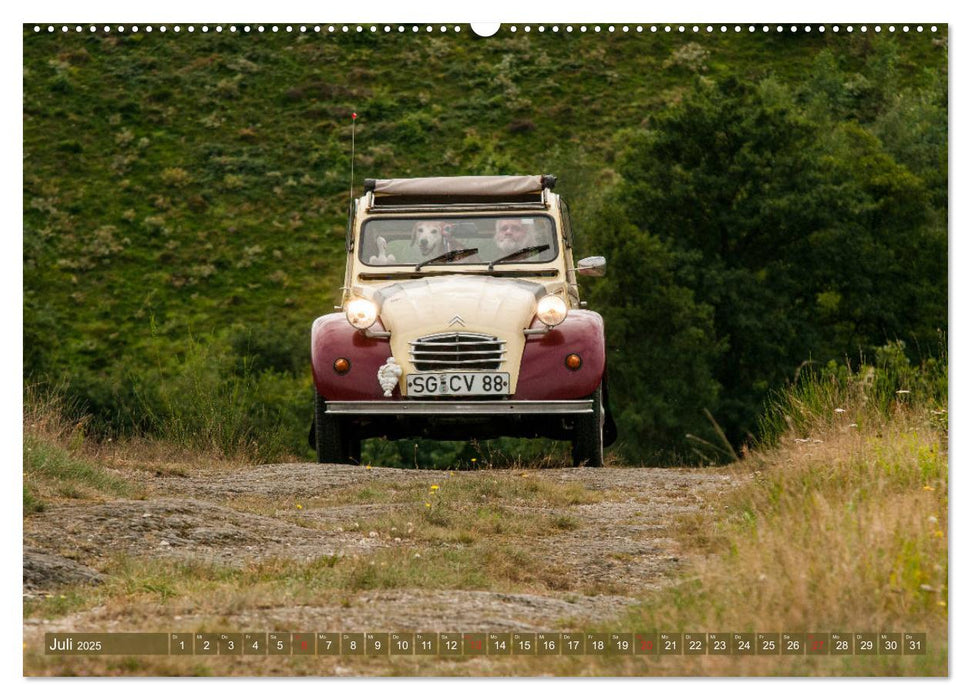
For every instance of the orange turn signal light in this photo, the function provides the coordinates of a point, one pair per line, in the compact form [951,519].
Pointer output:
[342,365]
[574,361]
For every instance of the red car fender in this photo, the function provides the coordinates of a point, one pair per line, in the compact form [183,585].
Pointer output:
[332,337]
[543,374]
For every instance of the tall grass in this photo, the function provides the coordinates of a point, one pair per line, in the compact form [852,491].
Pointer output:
[214,396]
[207,406]
[839,395]
[840,523]
[52,466]
[213,401]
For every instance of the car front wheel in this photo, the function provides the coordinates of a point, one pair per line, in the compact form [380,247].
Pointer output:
[588,437]
[334,437]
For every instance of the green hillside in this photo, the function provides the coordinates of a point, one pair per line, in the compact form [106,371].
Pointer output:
[185,199]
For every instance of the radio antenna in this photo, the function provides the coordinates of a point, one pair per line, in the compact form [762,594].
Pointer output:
[353,124]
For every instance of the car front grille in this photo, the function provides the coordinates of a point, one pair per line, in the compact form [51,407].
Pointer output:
[457,351]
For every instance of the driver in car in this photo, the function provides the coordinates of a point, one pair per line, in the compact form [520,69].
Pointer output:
[512,235]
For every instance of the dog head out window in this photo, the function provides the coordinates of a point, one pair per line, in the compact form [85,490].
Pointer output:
[409,241]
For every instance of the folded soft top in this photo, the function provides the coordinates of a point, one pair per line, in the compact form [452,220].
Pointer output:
[463,186]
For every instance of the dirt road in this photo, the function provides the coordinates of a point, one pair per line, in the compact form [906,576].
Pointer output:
[617,538]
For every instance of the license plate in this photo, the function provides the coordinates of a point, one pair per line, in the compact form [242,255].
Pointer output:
[458,384]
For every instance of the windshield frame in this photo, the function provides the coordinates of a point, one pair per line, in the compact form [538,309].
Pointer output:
[464,265]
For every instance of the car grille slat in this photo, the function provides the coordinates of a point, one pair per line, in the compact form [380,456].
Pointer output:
[465,351]
[437,342]
[452,352]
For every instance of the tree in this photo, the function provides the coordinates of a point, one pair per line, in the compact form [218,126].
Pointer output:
[804,238]
[660,342]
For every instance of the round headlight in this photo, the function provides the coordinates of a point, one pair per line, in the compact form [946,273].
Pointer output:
[361,313]
[551,310]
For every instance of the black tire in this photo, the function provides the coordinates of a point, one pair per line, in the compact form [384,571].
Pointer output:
[588,437]
[334,437]
[353,447]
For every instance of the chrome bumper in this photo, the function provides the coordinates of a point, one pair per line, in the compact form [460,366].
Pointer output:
[458,408]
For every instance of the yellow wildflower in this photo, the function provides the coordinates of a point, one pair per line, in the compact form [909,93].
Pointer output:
[928,488]
[434,487]
[299,507]
[428,505]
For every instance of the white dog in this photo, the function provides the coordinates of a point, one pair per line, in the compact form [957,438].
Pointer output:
[429,238]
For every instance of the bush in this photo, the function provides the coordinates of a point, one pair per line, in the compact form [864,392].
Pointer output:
[221,395]
[213,401]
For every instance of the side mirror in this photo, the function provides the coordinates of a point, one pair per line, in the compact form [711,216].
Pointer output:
[594,266]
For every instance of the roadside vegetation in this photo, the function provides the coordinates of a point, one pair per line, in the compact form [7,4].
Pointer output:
[840,523]
[55,464]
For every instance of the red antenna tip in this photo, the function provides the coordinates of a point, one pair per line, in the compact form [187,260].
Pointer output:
[353,115]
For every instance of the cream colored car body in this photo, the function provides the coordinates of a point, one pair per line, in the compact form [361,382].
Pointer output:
[429,303]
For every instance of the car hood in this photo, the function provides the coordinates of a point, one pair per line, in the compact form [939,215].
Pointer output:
[501,307]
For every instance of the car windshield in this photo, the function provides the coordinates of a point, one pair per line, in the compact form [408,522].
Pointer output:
[416,241]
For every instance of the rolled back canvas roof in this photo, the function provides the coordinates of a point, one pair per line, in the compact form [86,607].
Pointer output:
[468,185]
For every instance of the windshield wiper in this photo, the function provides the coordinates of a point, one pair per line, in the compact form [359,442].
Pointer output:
[520,254]
[447,257]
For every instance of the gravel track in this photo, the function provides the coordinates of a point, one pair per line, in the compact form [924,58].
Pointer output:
[625,544]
